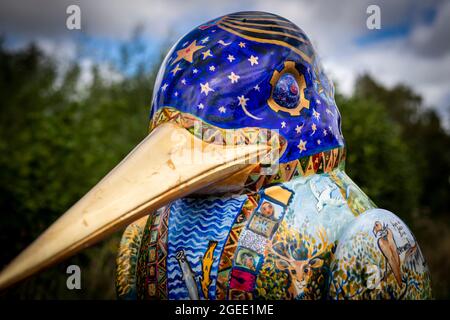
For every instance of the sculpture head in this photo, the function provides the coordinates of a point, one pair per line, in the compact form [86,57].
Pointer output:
[379,228]
[251,70]
[238,90]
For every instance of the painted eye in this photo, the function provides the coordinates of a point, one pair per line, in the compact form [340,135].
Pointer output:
[286,92]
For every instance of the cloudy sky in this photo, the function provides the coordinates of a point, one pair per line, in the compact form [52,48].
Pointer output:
[412,46]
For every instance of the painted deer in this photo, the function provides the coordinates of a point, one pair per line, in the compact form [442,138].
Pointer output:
[301,271]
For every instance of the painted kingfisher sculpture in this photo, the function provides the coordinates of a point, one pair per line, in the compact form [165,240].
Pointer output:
[239,190]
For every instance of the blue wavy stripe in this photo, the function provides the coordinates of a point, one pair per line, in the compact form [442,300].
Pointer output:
[192,224]
[188,228]
[178,282]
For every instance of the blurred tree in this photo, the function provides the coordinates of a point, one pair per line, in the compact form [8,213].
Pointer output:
[422,132]
[377,158]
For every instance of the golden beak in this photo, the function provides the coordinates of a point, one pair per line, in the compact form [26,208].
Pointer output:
[159,170]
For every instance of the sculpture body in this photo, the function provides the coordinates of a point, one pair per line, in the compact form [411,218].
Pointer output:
[302,231]
[295,252]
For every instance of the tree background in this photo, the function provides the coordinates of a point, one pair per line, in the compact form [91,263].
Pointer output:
[58,139]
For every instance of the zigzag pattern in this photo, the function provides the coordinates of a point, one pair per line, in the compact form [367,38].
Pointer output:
[226,262]
[321,162]
[213,134]
[151,266]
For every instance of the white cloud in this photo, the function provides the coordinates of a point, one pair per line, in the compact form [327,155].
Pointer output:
[432,40]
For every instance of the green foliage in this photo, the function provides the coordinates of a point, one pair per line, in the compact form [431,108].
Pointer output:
[422,133]
[378,159]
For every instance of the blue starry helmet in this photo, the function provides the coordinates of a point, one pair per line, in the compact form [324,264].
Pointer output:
[252,69]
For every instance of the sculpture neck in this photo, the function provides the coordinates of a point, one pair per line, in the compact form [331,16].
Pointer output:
[321,162]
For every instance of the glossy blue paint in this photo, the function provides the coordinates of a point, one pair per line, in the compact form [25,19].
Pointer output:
[222,73]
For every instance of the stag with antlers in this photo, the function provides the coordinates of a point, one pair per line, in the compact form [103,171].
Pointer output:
[303,259]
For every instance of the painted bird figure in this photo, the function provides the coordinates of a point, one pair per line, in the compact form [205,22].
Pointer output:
[386,244]
[243,117]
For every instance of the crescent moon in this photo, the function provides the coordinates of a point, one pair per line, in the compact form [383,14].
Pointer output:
[224,43]
[249,114]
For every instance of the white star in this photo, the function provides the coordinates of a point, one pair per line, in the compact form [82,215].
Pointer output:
[302,146]
[195,71]
[298,128]
[164,87]
[222,109]
[316,114]
[325,132]
[183,81]
[283,125]
[242,44]
[204,40]
[256,87]
[212,68]
[253,60]
[200,106]
[317,101]
[176,94]
[233,77]
[205,88]
[319,142]
[243,101]
[207,54]
[329,127]
[231,58]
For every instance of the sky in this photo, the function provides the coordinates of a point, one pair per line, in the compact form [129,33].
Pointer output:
[412,47]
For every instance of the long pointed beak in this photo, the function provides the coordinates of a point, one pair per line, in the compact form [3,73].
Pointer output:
[159,170]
